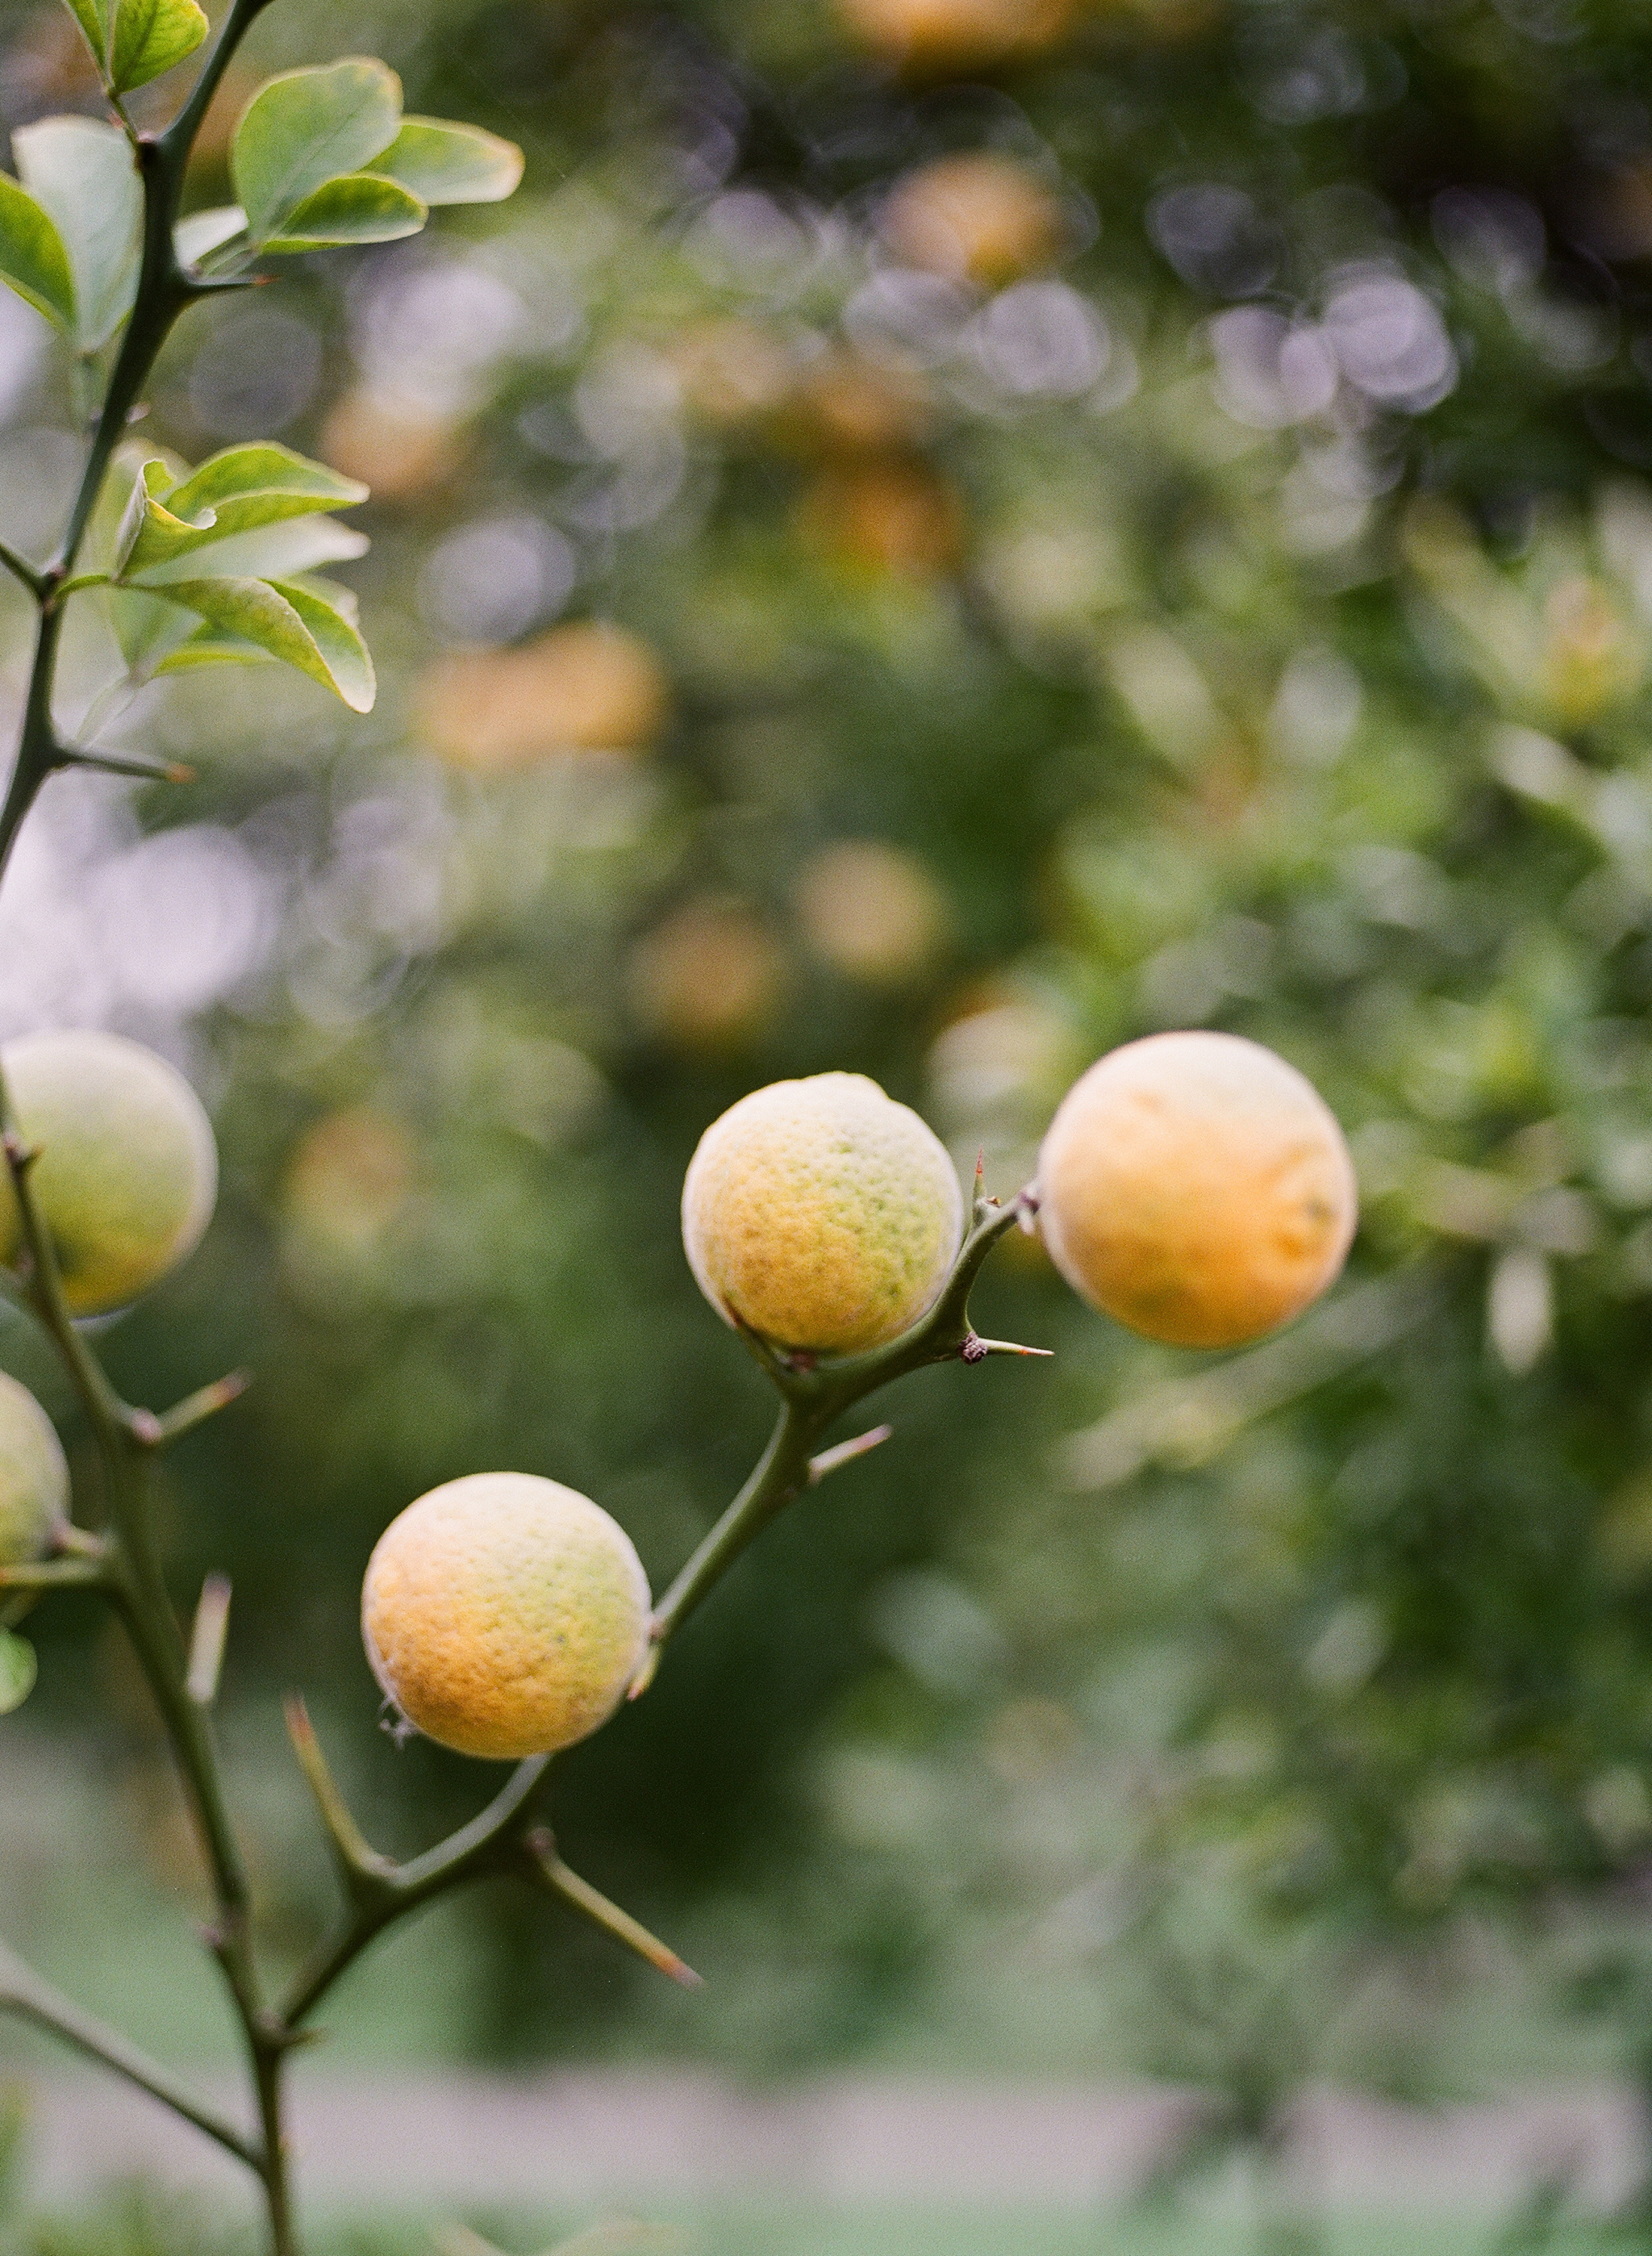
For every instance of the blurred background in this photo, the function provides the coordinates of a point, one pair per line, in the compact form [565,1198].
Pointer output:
[931,537]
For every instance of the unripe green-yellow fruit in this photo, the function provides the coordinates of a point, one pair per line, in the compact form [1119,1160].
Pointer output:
[1197,1189]
[34,1477]
[821,1214]
[505,1615]
[128,1171]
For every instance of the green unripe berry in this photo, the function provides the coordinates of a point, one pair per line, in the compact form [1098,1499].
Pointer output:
[127,1175]
[34,1477]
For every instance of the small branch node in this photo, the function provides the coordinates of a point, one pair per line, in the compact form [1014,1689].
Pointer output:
[207,1640]
[845,1453]
[145,1428]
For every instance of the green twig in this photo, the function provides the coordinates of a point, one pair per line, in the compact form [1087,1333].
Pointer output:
[24,1993]
[76,756]
[379,1891]
[21,570]
[540,1849]
[816,1392]
[55,1574]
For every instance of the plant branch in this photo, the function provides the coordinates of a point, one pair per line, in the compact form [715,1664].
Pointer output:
[816,1392]
[21,570]
[379,1891]
[540,1850]
[24,1993]
[126,1439]
[76,756]
[179,136]
[55,1574]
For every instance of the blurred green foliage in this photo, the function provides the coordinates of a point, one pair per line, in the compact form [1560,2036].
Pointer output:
[1192,567]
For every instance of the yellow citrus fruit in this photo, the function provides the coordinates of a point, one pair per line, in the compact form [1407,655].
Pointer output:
[894,518]
[872,912]
[821,1214]
[505,1615]
[400,450]
[583,687]
[952,34]
[34,1477]
[975,217]
[709,978]
[1197,1189]
[127,1175]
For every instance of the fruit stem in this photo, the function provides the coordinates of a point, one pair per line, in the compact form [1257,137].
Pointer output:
[814,1394]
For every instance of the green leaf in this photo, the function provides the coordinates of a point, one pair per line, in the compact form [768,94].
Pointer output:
[210,646]
[80,172]
[93,17]
[32,259]
[205,231]
[264,472]
[356,208]
[104,533]
[289,621]
[271,551]
[442,162]
[146,628]
[149,36]
[306,128]
[237,492]
[18,1669]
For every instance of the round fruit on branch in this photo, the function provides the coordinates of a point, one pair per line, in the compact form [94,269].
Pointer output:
[1197,1189]
[34,1477]
[821,1215]
[504,1615]
[127,1172]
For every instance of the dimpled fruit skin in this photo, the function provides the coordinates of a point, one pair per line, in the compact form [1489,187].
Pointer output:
[128,1171]
[505,1615]
[821,1214]
[1197,1189]
[34,1477]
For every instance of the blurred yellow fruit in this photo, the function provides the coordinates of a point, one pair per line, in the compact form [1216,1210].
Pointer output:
[821,1214]
[845,403]
[505,1615]
[351,1175]
[938,34]
[34,1477]
[708,977]
[400,451]
[1197,1189]
[128,1171]
[897,518]
[730,369]
[1590,656]
[584,687]
[872,912]
[978,217]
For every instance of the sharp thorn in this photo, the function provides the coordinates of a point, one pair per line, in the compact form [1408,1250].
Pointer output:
[207,1640]
[846,1452]
[976,1350]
